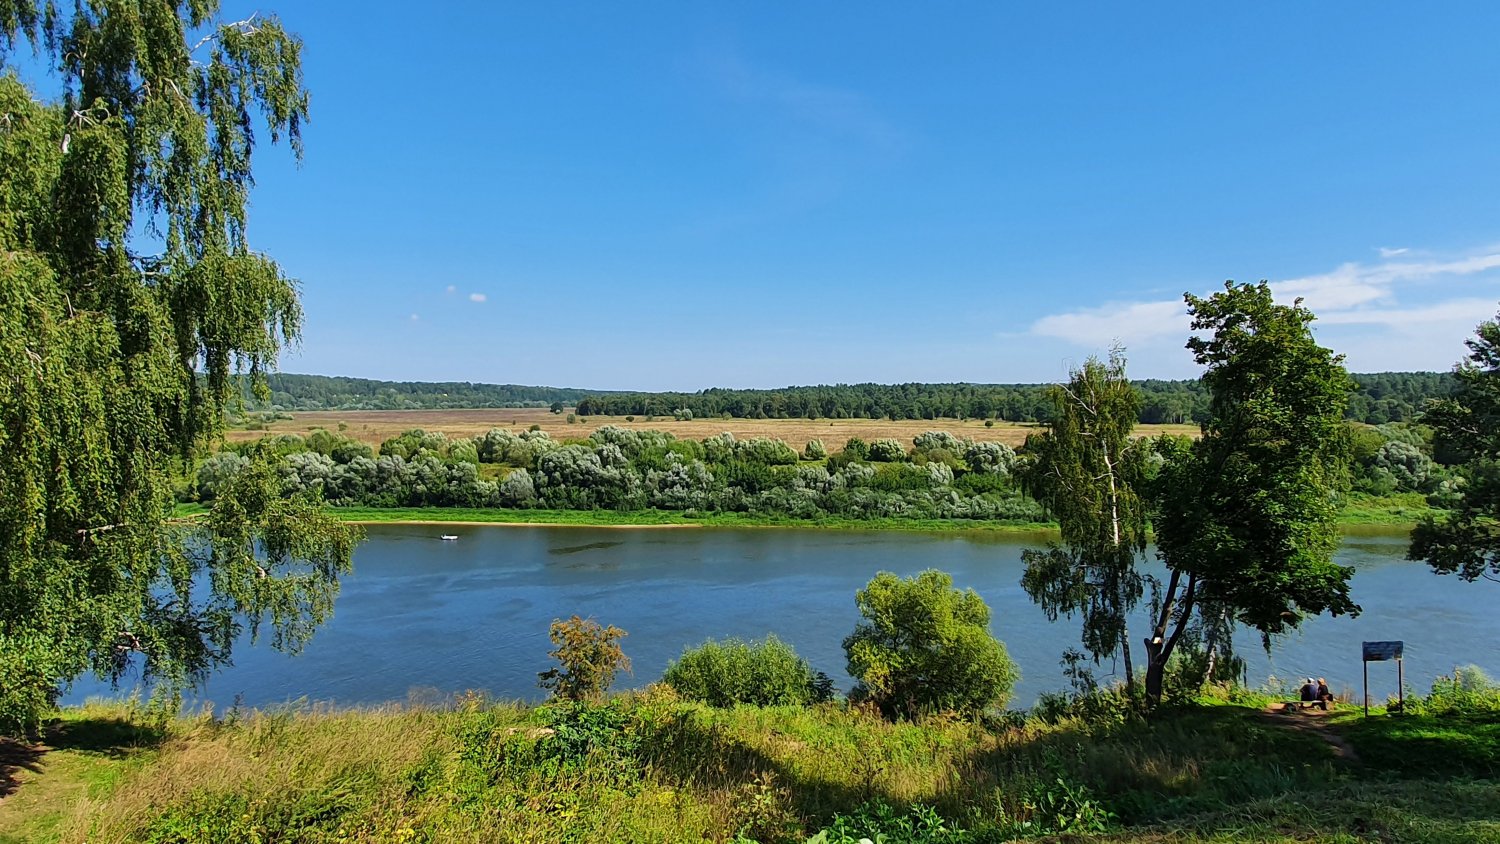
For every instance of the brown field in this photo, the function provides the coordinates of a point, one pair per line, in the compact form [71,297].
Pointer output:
[375,426]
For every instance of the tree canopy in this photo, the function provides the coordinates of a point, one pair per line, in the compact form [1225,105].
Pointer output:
[1466,540]
[1245,515]
[129,299]
[1087,472]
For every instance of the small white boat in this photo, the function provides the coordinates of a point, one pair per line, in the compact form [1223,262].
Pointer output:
[448,537]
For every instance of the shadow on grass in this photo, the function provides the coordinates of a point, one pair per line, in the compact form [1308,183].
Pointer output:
[112,737]
[1452,746]
[15,757]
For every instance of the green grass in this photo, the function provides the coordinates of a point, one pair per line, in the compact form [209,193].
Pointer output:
[649,767]
[1403,509]
[90,751]
[1455,744]
[1393,513]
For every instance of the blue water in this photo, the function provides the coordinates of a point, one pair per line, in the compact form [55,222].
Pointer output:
[424,617]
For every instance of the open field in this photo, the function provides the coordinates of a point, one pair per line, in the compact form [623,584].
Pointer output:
[375,426]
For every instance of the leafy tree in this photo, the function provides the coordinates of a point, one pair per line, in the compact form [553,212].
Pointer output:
[814,450]
[924,646]
[119,363]
[1085,471]
[1245,517]
[588,654]
[1466,539]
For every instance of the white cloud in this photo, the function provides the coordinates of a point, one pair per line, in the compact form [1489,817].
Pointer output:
[477,297]
[1396,313]
[1354,284]
[414,317]
[452,288]
[1467,312]
[1127,322]
[1391,253]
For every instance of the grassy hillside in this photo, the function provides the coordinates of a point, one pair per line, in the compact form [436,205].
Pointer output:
[648,767]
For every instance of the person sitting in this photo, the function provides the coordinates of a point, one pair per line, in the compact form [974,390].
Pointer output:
[1309,692]
[1325,696]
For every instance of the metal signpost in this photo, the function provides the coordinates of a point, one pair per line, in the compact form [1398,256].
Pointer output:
[1380,652]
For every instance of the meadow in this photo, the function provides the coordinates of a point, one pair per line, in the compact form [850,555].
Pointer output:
[375,426]
[649,767]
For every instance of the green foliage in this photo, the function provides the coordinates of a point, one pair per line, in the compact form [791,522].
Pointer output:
[588,654]
[925,646]
[856,448]
[1087,473]
[879,821]
[885,450]
[1246,516]
[1466,539]
[1468,691]
[1381,397]
[763,673]
[814,450]
[1254,513]
[120,365]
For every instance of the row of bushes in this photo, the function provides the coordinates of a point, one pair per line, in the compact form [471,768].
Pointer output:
[940,477]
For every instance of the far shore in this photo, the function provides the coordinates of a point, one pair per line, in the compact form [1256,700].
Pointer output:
[1364,520]
[477,523]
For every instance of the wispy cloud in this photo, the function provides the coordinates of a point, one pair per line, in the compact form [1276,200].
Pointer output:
[1127,322]
[477,297]
[1355,284]
[414,317]
[452,288]
[831,112]
[1389,303]
[1465,312]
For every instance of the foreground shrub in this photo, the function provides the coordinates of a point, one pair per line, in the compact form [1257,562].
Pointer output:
[589,655]
[877,821]
[925,646]
[1468,692]
[763,673]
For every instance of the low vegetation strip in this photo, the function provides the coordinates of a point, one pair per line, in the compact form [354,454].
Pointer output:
[650,767]
[1367,517]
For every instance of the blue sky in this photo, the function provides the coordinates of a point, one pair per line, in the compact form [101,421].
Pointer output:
[684,195]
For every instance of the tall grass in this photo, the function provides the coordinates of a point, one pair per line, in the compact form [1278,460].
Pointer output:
[652,767]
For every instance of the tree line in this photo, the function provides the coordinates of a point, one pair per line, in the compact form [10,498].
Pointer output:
[325,392]
[1380,397]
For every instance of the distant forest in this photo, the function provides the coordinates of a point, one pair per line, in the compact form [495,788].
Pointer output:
[325,392]
[1382,397]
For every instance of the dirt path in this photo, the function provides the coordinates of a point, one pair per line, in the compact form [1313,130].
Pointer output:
[1308,722]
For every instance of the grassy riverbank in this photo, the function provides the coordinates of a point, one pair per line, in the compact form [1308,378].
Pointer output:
[647,768]
[1394,511]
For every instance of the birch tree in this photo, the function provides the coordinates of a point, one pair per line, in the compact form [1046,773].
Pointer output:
[1085,471]
[129,299]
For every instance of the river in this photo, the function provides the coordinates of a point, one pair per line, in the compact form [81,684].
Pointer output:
[424,618]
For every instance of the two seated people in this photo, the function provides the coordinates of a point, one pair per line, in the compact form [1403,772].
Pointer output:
[1315,693]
